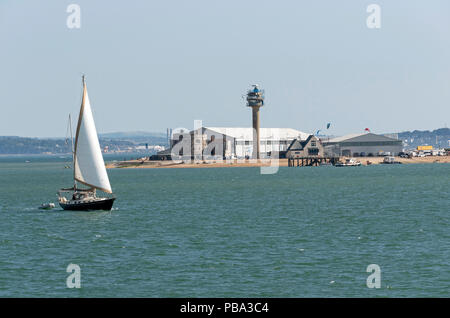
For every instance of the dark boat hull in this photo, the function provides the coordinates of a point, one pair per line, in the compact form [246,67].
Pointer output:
[97,204]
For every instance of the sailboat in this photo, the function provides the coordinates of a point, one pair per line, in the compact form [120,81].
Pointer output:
[88,166]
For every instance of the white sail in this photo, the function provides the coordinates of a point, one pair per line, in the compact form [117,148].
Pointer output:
[89,167]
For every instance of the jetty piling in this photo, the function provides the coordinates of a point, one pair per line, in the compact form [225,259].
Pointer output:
[310,161]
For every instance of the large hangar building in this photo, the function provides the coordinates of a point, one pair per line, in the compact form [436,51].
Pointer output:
[365,144]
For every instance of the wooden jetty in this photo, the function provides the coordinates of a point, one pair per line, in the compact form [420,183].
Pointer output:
[311,161]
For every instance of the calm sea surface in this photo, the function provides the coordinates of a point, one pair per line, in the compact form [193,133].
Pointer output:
[229,232]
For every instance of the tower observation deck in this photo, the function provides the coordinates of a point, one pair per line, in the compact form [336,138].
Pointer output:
[255,100]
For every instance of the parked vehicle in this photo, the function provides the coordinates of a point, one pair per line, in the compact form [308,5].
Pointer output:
[404,155]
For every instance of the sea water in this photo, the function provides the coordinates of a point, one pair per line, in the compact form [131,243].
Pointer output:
[229,232]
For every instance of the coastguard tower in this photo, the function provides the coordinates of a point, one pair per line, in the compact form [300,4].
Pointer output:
[255,100]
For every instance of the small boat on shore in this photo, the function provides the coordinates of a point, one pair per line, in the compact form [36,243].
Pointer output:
[390,160]
[348,163]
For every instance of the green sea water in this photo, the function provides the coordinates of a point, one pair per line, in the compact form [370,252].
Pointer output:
[229,232]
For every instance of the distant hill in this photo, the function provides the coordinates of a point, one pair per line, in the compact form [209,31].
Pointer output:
[127,142]
[152,138]
[22,145]
[439,138]
[132,134]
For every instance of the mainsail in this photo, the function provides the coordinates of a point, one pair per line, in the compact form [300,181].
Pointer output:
[89,167]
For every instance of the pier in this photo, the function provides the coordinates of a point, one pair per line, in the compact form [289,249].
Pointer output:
[311,161]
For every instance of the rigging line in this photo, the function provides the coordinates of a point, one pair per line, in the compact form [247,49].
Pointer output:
[66,140]
[66,161]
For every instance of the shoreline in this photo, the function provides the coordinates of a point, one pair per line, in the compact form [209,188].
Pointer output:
[149,164]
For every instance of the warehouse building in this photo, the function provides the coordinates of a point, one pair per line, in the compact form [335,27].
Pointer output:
[364,144]
[231,143]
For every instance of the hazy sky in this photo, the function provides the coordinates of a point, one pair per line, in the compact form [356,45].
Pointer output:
[156,64]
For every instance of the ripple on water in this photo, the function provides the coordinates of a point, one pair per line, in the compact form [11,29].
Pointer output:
[232,233]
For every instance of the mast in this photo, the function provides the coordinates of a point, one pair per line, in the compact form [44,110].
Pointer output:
[78,127]
[73,153]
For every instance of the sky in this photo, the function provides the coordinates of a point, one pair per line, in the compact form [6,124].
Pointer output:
[151,65]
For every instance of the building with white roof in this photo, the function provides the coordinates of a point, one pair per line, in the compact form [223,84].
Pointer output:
[232,142]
